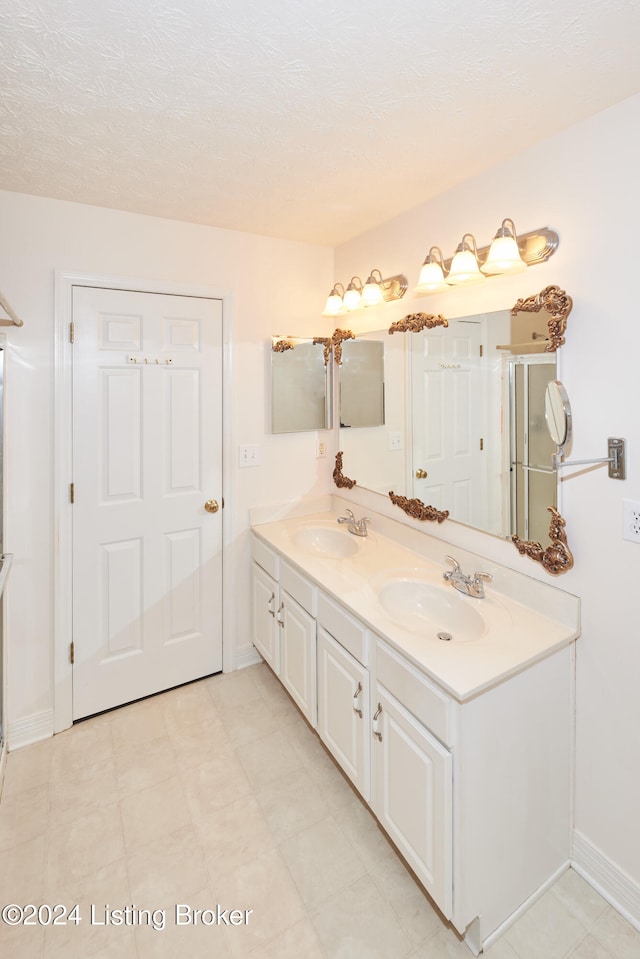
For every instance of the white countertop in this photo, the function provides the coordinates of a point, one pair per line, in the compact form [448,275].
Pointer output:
[512,636]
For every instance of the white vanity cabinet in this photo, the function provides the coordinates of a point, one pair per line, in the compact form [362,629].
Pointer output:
[265,601]
[412,773]
[474,790]
[284,626]
[343,691]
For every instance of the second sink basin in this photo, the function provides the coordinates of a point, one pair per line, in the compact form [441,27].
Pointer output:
[434,611]
[326,541]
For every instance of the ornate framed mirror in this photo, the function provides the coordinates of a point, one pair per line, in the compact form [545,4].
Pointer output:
[464,435]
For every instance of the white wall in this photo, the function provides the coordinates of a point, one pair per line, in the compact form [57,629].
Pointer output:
[274,285]
[584,183]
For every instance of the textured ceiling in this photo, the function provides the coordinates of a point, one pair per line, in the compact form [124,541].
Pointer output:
[306,119]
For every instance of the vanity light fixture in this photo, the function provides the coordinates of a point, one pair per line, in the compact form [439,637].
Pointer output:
[353,294]
[376,290]
[335,301]
[504,255]
[431,278]
[508,253]
[465,269]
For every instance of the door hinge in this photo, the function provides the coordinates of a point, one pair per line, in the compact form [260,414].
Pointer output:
[72,492]
[481,443]
[481,350]
[72,653]
[72,332]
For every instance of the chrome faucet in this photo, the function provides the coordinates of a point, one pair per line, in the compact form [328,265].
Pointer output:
[469,585]
[356,526]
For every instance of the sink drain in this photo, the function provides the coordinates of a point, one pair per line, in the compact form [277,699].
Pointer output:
[446,637]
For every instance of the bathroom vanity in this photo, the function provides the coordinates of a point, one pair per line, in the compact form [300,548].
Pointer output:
[451,715]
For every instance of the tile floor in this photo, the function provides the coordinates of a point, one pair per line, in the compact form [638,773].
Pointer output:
[218,792]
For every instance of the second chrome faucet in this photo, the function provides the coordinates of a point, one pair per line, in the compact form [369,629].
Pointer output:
[356,526]
[469,585]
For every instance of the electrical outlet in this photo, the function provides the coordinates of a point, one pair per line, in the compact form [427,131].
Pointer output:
[395,440]
[248,456]
[631,512]
[321,448]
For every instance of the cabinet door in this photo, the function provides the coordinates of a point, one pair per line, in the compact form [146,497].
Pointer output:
[412,795]
[265,629]
[343,708]
[298,655]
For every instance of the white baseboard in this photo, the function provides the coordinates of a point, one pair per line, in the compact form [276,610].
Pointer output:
[247,656]
[607,878]
[34,728]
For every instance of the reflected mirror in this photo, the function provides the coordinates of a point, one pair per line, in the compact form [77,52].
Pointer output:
[361,379]
[468,431]
[300,386]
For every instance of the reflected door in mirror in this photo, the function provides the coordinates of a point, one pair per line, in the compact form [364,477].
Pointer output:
[449,421]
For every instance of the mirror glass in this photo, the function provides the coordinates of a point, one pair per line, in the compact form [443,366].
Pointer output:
[300,386]
[361,379]
[374,452]
[465,423]
[557,413]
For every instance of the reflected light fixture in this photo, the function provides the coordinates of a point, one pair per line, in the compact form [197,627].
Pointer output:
[376,290]
[504,255]
[507,254]
[465,269]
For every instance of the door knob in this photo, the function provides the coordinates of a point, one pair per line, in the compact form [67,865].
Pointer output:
[211,506]
[421,474]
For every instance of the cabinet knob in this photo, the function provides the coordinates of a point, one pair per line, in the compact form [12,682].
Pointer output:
[211,506]
[421,474]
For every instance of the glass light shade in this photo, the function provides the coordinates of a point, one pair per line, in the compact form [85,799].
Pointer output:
[464,269]
[431,279]
[371,294]
[334,305]
[504,257]
[352,298]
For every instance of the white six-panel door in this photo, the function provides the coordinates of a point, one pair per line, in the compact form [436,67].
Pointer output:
[147,556]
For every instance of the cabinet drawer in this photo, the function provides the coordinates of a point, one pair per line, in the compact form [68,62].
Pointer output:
[414,691]
[300,588]
[265,557]
[344,627]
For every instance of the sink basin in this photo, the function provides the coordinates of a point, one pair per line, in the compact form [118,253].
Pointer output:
[326,541]
[430,609]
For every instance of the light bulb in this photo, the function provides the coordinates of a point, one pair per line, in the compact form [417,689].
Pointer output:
[431,279]
[464,266]
[504,257]
[372,292]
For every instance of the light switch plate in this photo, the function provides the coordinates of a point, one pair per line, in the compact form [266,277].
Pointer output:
[248,456]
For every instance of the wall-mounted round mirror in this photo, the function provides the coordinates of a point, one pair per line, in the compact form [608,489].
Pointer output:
[557,413]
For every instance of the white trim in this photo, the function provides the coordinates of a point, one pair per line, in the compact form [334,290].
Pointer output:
[4,646]
[247,656]
[614,885]
[524,907]
[64,283]
[31,729]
